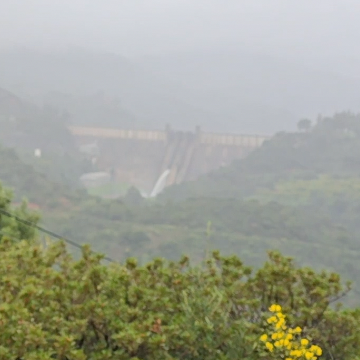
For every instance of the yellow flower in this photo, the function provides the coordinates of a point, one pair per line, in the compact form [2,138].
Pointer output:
[275,308]
[272,308]
[271,319]
[295,353]
[284,339]
[304,342]
[269,346]
[316,349]
[279,324]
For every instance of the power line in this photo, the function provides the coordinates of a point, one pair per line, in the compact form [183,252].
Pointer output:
[48,232]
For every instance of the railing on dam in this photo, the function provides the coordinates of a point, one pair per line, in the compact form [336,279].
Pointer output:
[232,140]
[250,141]
[118,133]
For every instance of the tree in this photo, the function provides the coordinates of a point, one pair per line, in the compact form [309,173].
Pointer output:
[133,197]
[10,227]
[304,125]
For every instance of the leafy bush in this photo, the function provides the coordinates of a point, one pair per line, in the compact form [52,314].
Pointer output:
[55,307]
[9,226]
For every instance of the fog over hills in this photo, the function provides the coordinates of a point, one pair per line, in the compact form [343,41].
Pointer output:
[264,92]
[234,66]
[145,100]
[219,89]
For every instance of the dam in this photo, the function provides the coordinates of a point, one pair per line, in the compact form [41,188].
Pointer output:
[141,157]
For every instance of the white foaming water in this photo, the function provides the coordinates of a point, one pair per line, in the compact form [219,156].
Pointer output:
[160,184]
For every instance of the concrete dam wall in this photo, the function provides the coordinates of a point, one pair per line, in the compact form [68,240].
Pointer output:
[140,157]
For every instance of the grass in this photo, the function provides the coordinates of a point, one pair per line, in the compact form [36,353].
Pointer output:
[109,190]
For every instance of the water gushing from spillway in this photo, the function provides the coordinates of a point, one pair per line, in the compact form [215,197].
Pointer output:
[160,184]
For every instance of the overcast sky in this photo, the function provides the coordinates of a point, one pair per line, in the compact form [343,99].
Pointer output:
[137,27]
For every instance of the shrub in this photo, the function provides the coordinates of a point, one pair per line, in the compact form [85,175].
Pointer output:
[52,306]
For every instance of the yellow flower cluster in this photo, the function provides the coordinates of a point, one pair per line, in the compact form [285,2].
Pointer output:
[287,340]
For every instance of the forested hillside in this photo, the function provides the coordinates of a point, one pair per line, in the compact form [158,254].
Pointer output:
[297,193]
[25,128]
[330,147]
[28,126]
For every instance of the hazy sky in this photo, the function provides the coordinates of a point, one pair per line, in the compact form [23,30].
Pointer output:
[137,27]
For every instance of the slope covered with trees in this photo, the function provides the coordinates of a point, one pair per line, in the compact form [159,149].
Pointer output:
[26,127]
[330,147]
[37,187]
[298,194]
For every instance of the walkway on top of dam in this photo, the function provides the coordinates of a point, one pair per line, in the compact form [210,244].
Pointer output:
[158,135]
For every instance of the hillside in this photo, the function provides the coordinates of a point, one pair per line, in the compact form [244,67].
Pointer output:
[36,186]
[26,127]
[190,308]
[11,105]
[96,109]
[298,193]
[330,147]
[29,126]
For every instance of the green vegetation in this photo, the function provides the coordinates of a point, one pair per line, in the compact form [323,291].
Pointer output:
[34,185]
[299,194]
[25,127]
[56,307]
[109,190]
[9,227]
[53,306]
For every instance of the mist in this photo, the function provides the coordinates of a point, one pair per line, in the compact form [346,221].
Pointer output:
[236,66]
[307,29]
